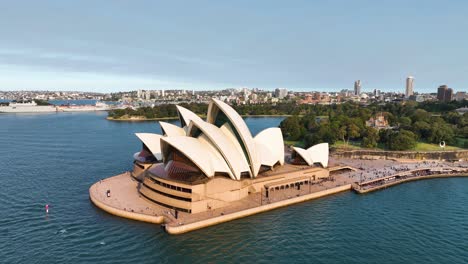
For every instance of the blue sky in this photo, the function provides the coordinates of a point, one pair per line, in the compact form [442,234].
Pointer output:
[301,45]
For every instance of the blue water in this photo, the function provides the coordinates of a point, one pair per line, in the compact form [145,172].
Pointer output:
[54,158]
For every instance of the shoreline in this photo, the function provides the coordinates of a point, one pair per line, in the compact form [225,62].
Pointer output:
[181,229]
[419,178]
[99,201]
[140,119]
[120,206]
[135,207]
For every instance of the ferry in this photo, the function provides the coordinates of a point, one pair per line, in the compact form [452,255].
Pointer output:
[26,107]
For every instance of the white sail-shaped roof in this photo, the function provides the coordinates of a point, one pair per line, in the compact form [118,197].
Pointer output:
[270,146]
[224,144]
[152,141]
[186,115]
[315,154]
[241,129]
[319,153]
[171,130]
[205,157]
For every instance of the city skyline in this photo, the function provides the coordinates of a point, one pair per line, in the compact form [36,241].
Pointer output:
[301,46]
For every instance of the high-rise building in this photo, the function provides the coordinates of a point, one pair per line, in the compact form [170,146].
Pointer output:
[281,93]
[148,95]
[357,87]
[449,95]
[139,93]
[459,96]
[441,92]
[162,93]
[409,86]
[444,94]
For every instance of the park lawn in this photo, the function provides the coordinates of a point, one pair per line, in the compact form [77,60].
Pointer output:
[294,143]
[422,146]
[343,145]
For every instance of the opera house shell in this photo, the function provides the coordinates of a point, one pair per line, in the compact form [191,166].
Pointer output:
[206,164]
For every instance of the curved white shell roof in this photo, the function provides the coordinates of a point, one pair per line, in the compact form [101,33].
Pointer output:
[270,146]
[241,128]
[171,130]
[202,154]
[152,141]
[224,144]
[315,154]
[186,116]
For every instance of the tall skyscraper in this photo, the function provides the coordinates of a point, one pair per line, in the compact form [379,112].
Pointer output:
[449,95]
[409,86]
[148,95]
[444,94]
[281,92]
[357,87]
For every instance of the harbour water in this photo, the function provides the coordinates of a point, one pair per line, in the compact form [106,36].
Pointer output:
[54,158]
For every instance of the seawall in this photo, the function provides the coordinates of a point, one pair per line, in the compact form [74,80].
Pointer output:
[414,155]
[419,178]
[123,213]
[175,230]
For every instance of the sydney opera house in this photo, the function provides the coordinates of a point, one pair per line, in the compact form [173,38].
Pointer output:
[207,164]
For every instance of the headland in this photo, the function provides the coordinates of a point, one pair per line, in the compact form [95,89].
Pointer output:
[206,172]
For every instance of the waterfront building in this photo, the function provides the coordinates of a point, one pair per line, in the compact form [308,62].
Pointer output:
[207,164]
[357,87]
[409,86]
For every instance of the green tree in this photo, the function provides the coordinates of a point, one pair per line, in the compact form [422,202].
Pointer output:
[352,131]
[401,140]
[422,129]
[441,131]
[371,137]
[291,128]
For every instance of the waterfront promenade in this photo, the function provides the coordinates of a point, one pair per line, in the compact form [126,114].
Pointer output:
[125,201]
[118,195]
[409,175]
[365,175]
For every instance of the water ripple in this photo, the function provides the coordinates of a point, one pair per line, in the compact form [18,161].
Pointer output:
[53,159]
